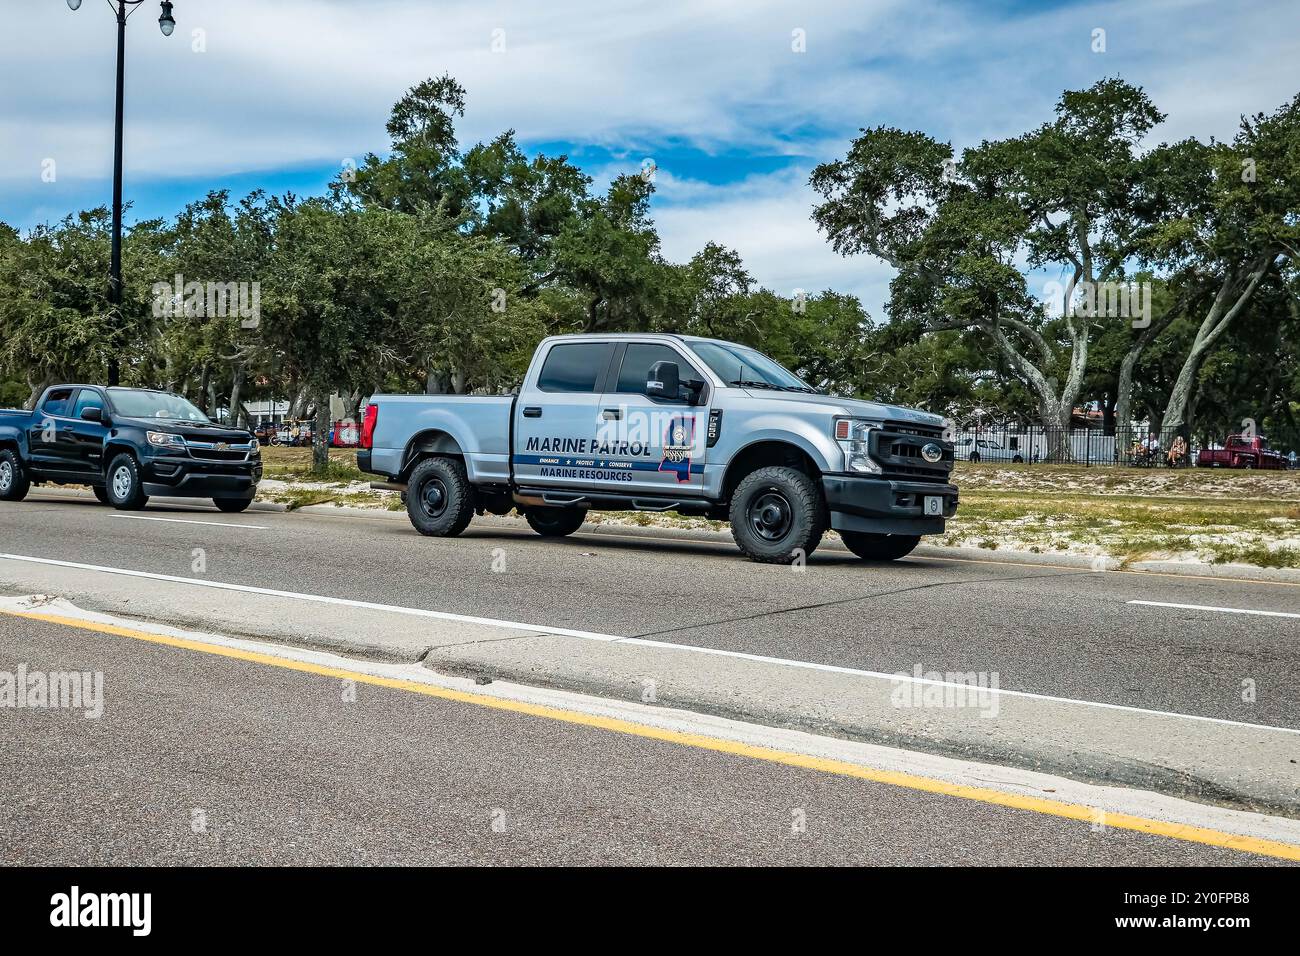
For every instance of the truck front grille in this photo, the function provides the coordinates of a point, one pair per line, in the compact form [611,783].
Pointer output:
[896,448]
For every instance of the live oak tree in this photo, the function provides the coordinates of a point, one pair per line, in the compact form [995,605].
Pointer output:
[1230,219]
[959,230]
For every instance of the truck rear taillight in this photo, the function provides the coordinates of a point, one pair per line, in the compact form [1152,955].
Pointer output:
[367,439]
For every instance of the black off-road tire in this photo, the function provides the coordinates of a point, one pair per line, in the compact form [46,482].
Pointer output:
[232,506]
[555,522]
[439,498]
[879,547]
[14,483]
[101,493]
[125,489]
[777,515]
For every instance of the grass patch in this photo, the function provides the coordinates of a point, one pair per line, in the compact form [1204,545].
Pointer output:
[295,498]
[1131,528]
[1259,555]
[287,464]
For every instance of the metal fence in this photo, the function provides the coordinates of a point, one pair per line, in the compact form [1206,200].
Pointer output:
[1127,447]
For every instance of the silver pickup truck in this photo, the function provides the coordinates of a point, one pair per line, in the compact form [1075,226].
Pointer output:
[668,423]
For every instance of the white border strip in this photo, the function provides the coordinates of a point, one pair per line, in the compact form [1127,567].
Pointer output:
[215,524]
[1221,610]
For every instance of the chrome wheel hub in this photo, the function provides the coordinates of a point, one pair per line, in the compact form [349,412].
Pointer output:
[122,483]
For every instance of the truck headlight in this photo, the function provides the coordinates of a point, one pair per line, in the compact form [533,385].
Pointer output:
[854,438]
[166,440]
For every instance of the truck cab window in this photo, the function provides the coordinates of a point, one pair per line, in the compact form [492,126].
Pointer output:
[56,403]
[575,368]
[637,361]
[86,399]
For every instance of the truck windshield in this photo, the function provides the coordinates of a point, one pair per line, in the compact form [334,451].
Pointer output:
[737,365]
[136,403]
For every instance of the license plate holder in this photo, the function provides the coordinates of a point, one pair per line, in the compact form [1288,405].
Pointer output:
[934,505]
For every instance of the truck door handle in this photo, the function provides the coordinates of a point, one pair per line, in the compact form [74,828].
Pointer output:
[611,414]
[532,411]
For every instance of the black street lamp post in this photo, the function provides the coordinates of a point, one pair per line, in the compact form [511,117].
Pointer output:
[123,9]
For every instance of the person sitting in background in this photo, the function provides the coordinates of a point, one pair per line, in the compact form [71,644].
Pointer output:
[1177,452]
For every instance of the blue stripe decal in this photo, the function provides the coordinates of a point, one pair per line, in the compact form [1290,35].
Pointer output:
[613,464]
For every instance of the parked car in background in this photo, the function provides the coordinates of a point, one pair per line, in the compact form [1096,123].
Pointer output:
[984,449]
[293,434]
[1240,451]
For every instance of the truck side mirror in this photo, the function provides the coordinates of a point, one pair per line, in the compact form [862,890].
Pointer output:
[92,413]
[664,381]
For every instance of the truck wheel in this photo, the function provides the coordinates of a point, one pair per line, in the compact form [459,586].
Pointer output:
[439,499]
[101,493]
[14,483]
[974,457]
[777,515]
[232,505]
[125,490]
[879,547]
[555,522]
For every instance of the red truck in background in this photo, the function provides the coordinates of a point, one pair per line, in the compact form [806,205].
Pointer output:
[1241,452]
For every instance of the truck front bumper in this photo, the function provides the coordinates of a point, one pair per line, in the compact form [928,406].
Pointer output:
[177,477]
[882,506]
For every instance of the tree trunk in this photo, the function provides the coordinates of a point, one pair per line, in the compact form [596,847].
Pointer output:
[298,406]
[38,389]
[1233,296]
[1128,365]
[236,387]
[320,437]
[205,390]
[352,410]
[438,382]
[1055,416]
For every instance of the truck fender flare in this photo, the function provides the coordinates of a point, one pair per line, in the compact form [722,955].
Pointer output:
[115,447]
[739,463]
[432,441]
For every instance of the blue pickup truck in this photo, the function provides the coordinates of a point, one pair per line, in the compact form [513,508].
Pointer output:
[126,444]
[668,423]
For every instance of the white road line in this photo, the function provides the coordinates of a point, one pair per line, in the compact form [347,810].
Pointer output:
[216,524]
[611,638]
[1210,607]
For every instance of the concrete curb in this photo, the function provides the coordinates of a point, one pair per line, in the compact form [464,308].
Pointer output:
[1228,765]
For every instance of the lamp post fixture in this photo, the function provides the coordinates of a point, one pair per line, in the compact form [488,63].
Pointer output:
[123,9]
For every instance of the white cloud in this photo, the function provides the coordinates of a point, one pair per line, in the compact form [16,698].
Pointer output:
[767,220]
[290,83]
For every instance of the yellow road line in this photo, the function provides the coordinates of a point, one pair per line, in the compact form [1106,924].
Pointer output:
[1055,808]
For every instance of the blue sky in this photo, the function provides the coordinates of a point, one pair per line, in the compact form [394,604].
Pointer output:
[276,94]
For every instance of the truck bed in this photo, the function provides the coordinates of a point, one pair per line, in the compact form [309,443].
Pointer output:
[480,424]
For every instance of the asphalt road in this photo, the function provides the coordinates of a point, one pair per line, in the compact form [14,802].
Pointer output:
[202,759]
[1061,632]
